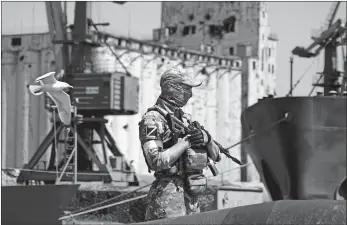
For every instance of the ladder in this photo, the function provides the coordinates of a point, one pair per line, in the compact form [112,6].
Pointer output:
[70,159]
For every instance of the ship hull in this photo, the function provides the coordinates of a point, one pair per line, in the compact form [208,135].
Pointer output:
[35,205]
[304,158]
[304,212]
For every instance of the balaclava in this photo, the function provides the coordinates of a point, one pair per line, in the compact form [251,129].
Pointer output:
[175,87]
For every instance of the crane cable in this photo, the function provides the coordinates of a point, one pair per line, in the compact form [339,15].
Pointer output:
[301,77]
[322,75]
[314,87]
[307,69]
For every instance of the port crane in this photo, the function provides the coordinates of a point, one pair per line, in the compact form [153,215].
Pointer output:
[328,39]
[90,91]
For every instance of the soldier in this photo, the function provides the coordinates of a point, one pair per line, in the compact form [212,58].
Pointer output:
[178,163]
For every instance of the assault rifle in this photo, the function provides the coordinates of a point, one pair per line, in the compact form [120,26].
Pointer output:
[179,129]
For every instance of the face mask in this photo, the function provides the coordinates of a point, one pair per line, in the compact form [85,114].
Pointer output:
[178,94]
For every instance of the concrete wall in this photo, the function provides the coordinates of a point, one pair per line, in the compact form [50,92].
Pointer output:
[267,54]
[251,28]
[178,14]
[271,70]
[25,122]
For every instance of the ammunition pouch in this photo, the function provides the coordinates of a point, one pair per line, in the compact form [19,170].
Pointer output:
[169,172]
[196,184]
[195,160]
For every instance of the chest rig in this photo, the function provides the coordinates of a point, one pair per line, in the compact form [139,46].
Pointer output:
[192,161]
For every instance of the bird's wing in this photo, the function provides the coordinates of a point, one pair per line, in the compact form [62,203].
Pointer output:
[63,103]
[47,78]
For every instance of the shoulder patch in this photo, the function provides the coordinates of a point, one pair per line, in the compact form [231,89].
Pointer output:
[151,128]
[152,132]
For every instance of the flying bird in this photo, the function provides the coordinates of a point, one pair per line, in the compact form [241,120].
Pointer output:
[55,90]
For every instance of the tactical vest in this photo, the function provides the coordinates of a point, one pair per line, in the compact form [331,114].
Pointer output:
[193,161]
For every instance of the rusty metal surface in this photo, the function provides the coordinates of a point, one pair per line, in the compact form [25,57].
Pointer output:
[304,158]
[302,212]
[35,205]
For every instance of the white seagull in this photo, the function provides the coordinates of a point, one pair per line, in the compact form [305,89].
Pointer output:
[55,90]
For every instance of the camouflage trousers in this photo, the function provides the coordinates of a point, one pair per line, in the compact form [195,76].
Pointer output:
[168,198]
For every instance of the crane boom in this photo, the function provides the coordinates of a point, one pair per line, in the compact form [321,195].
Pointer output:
[335,31]
[57,29]
[332,13]
[327,40]
[329,19]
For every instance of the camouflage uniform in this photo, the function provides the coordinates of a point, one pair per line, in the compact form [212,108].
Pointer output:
[167,196]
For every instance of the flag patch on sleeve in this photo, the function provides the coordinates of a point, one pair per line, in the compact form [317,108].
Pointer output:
[151,132]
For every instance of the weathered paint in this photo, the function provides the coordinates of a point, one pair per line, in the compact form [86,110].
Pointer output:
[251,28]
[234,196]
[26,120]
[178,14]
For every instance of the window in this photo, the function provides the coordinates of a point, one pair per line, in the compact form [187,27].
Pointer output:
[262,59]
[212,49]
[229,24]
[193,28]
[185,31]
[231,51]
[273,69]
[254,65]
[269,51]
[215,31]
[188,30]
[207,16]
[16,41]
[263,14]
[172,30]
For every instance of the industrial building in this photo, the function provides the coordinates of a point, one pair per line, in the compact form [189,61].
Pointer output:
[236,72]
[217,28]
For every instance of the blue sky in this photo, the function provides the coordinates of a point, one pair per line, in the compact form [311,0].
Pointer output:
[291,21]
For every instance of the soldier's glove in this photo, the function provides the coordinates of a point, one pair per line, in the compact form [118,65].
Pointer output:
[199,137]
